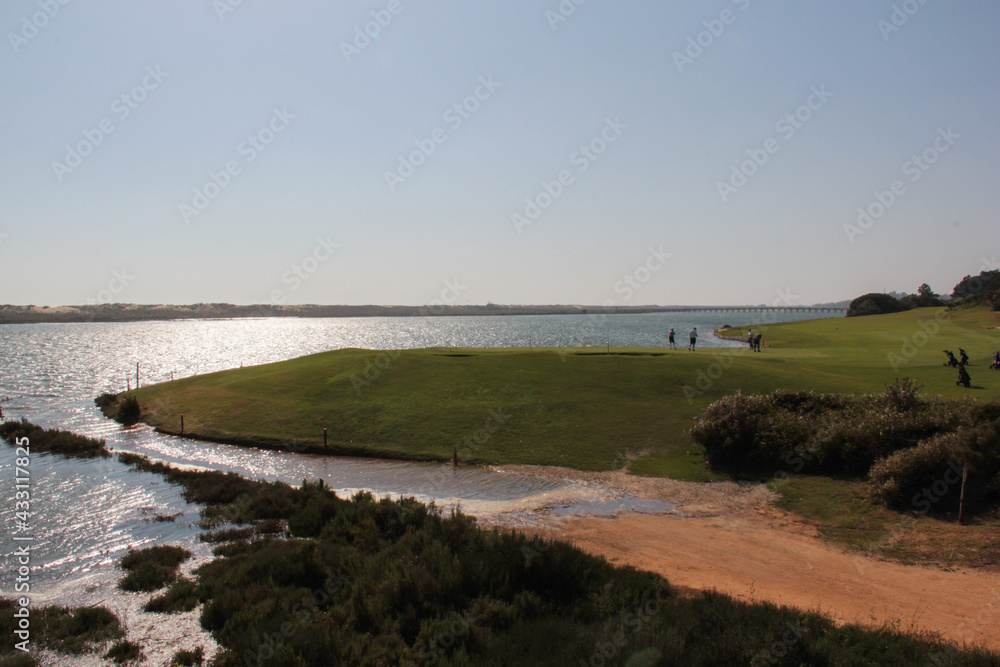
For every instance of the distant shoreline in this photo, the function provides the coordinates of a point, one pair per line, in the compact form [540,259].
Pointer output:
[117,312]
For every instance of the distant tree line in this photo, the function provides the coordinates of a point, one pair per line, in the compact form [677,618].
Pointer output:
[876,303]
[983,289]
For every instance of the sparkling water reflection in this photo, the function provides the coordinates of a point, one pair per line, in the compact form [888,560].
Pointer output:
[89,512]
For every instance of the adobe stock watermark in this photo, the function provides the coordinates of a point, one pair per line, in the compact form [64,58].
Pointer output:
[374,366]
[248,150]
[706,377]
[781,646]
[31,26]
[336,582]
[562,12]
[299,272]
[913,344]
[121,108]
[372,30]
[915,168]
[697,44]
[435,649]
[120,280]
[495,420]
[223,7]
[786,127]
[899,17]
[454,116]
[615,646]
[633,281]
[582,159]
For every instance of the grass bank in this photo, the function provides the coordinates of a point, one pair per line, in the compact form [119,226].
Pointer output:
[582,408]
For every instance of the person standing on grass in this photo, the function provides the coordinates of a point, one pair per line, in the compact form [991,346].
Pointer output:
[694,338]
[756,342]
[963,376]
[670,336]
[750,338]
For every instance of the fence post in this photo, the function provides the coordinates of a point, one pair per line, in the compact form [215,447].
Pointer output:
[961,499]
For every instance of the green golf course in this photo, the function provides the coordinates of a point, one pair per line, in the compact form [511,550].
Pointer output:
[583,408]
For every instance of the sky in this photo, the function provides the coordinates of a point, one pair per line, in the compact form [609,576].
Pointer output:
[413,152]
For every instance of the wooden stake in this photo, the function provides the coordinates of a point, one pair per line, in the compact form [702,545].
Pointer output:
[454,455]
[324,437]
[182,424]
[961,499]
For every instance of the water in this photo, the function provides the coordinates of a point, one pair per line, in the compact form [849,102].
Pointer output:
[87,513]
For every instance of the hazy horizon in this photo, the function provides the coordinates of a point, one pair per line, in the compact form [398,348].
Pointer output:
[562,152]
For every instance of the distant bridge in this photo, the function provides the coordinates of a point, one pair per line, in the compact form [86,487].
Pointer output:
[753,309]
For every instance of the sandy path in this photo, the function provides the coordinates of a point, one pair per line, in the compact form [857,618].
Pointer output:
[738,544]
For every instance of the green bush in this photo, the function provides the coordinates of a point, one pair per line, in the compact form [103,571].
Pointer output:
[181,596]
[127,410]
[54,441]
[194,658]
[874,303]
[74,631]
[152,568]
[124,651]
[927,478]
[820,433]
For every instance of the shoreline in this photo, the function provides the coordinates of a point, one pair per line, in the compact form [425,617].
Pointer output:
[114,312]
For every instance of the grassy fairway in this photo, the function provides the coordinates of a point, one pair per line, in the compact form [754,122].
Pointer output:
[581,408]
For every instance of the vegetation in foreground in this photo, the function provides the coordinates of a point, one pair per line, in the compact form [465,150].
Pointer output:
[878,472]
[54,441]
[371,582]
[152,568]
[904,443]
[59,629]
[368,582]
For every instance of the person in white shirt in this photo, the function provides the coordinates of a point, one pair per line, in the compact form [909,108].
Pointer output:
[694,338]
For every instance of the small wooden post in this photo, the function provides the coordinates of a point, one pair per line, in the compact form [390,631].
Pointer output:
[324,437]
[961,499]
[182,424]
[128,384]
[454,455]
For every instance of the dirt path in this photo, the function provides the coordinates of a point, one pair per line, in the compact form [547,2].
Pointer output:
[735,542]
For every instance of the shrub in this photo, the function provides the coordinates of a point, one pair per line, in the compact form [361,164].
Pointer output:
[75,631]
[874,303]
[152,568]
[54,441]
[128,410]
[820,433]
[181,596]
[125,651]
[194,658]
[927,478]
[106,400]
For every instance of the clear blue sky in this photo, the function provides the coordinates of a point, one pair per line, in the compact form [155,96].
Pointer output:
[310,115]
